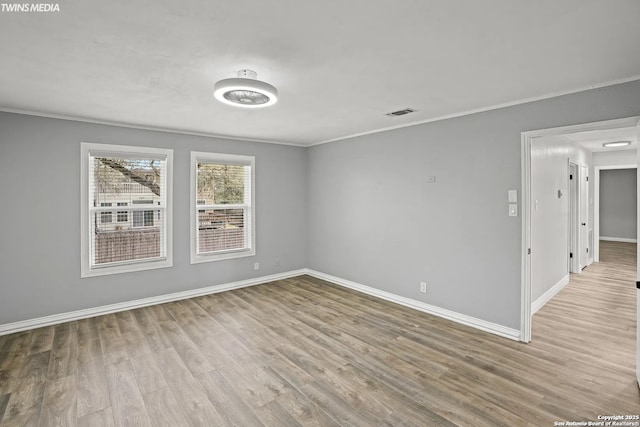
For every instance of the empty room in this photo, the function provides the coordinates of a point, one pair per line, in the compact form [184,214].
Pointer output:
[286,213]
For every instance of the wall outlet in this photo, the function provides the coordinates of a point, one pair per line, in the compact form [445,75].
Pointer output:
[423,287]
[256,266]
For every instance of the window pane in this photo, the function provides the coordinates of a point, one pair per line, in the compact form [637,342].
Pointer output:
[122,235]
[105,217]
[126,180]
[122,241]
[148,218]
[221,184]
[138,219]
[220,229]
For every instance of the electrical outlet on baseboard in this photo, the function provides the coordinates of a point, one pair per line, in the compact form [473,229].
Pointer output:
[256,266]
[423,287]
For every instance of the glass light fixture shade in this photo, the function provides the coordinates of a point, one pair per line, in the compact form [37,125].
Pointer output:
[245,93]
[616,144]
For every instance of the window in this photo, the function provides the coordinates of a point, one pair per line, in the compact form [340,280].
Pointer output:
[123,216]
[143,219]
[137,179]
[105,217]
[222,206]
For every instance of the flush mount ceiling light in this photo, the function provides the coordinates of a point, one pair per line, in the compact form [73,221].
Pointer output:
[616,144]
[245,91]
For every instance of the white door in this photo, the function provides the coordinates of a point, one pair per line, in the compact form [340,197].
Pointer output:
[574,218]
[583,247]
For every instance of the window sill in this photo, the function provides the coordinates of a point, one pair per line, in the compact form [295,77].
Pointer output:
[126,268]
[197,259]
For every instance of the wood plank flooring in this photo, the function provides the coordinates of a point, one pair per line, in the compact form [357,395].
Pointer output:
[305,352]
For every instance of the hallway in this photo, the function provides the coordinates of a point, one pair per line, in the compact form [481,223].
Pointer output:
[590,328]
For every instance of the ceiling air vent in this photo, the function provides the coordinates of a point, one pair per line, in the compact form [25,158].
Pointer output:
[401,112]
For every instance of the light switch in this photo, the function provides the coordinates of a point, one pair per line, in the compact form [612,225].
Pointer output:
[513,196]
[513,209]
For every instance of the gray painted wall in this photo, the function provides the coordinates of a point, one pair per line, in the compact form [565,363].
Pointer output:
[360,209]
[374,219]
[618,203]
[40,232]
[549,221]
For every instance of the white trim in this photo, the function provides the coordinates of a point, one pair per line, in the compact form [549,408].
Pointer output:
[483,325]
[384,129]
[618,239]
[483,109]
[544,298]
[584,127]
[142,127]
[526,139]
[612,167]
[10,328]
[525,251]
[596,204]
[236,159]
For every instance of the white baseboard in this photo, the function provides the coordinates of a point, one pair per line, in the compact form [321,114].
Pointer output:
[618,239]
[473,322]
[55,319]
[463,319]
[544,298]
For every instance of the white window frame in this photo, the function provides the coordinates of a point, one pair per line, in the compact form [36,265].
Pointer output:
[86,270]
[198,156]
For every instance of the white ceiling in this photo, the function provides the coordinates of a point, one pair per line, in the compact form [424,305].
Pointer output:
[339,66]
[593,140]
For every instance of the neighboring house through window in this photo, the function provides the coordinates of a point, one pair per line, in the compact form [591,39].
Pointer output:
[222,206]
[133,186]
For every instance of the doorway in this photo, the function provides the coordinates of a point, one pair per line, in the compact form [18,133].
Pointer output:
[527,205]
[632,125]
[597,201]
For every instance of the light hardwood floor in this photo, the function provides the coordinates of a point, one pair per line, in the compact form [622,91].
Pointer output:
[304,352]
